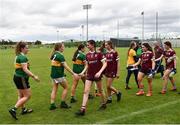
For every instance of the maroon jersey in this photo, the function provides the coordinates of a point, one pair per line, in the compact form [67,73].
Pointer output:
[94,61]
[168,54]
[146,60]
[158,52]
[112,60]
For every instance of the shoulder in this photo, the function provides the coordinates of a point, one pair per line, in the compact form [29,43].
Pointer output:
[21,58]
[150,53]
[81,54]
[60,56]
[132,51]
[114,52]
[173,51]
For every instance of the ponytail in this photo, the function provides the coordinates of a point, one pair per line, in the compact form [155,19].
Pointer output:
[57,46]
[130,47]
[81,46]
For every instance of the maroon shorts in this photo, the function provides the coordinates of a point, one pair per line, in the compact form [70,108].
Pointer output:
[92,78]
[170,67]
[145,71]
[110,75]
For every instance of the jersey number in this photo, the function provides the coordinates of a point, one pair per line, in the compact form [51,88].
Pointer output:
[54,57]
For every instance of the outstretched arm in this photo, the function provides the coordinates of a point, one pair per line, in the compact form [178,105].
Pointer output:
[138,63]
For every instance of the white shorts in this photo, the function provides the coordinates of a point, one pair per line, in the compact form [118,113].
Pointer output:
[58,80]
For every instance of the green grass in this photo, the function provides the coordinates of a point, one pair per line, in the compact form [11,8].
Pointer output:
[40,65]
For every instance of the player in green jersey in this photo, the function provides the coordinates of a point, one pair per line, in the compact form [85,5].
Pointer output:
[21,79]
[79,59]
[58,64]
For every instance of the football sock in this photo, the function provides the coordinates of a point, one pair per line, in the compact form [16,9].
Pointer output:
[14,108]
[110,98]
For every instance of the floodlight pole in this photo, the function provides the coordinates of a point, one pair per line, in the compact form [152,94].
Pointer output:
[87,7]
[142,26]
[57,35]
[82,26]
[156,26]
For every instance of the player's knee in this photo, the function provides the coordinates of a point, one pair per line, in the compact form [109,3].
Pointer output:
[86,92]
[165,77]
[65,87]
[28,95]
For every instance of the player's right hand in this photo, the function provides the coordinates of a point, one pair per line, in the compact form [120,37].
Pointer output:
[36,78]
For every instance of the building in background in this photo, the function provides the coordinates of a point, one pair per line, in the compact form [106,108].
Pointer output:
[124,42]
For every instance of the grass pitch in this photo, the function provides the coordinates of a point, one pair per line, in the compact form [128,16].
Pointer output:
[131,109]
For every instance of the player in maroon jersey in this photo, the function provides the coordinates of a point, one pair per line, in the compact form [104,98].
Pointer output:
[158,52]
[111,71]
[170,60]
[102,49]
[95,65]
[147,68]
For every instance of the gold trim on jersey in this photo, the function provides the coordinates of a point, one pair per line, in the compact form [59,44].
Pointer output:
[18,65]
[78,62]
[55,63]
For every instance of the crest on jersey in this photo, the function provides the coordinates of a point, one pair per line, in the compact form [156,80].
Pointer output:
[95,55]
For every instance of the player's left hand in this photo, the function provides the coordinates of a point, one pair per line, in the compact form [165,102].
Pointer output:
[76,76]
[98,75]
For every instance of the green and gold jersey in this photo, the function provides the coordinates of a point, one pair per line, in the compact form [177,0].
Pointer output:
[19,60]
[57,68]
[79,63]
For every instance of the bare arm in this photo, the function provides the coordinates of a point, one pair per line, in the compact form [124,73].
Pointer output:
[98,74]
[28,72]
[67,68]
[175,63]
[103,67]
[118,67]
[137,63]
[84,70]
[171,58]
[159,58]
[153,64]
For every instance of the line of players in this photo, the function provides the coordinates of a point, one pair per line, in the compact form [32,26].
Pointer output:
[89,68]
[148,63]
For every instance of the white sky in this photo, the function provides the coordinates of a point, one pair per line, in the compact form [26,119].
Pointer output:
[40,19]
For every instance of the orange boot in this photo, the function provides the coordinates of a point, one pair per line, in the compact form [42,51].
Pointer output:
[140,92]
[149,94]
[162,92]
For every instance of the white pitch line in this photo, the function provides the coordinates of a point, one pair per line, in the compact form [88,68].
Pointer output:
[137,112]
